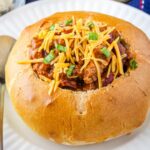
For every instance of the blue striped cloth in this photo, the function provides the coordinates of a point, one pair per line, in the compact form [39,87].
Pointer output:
[140,4]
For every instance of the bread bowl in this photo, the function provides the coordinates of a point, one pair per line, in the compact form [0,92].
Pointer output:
[79,115]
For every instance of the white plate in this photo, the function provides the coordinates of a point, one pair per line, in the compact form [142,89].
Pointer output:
[17,136]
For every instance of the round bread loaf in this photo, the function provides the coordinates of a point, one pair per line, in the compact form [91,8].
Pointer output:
[81,117]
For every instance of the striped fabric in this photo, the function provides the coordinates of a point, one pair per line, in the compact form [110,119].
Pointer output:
[140,4]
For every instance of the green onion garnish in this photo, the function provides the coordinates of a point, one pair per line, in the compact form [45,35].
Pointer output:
[133,64]
[61,48]
[90,24]
[93,36]
[68,22]
[52,27]
[49,57]
[70,70]
[105,51]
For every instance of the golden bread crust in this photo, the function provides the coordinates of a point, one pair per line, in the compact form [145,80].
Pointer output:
[81,117]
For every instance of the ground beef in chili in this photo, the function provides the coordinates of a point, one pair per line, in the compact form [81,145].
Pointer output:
[86,80]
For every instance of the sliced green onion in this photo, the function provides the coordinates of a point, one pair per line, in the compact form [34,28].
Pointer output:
[105,51]
[93,36]
[133,64]
[90,24]
[61,48]
[52,27]
[49,57]
[68,22]
[70,70]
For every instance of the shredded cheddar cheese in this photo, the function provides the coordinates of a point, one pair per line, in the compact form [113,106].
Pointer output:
[114,62]
[30,61]
[119,59]
[76,45]
[98,59]
[42,34]
[108,71]
[51,85]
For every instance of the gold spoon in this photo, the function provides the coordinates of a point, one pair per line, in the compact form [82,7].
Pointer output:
[6,44]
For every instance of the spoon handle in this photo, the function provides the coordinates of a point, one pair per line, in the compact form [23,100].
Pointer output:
[2,89]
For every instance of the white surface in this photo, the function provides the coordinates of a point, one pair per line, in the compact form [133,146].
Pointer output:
[14,22]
